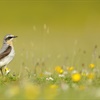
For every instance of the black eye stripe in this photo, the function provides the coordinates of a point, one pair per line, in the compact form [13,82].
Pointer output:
[8,38]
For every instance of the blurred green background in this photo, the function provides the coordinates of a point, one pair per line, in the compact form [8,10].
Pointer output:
[51,30]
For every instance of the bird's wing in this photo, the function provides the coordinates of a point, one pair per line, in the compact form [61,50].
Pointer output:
[5,53]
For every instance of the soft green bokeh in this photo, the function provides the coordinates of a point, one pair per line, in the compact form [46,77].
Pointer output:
[51,30]
[52,33]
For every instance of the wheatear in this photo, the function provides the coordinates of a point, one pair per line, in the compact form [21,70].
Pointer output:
[7,52]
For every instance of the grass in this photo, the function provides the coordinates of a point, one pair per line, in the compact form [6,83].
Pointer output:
[51,86]
[42,70]
[59,82]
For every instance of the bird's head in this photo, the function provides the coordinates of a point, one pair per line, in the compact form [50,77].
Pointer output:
[8,39]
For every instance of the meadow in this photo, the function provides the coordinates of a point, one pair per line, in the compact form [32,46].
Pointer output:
[51,73]
[57,49]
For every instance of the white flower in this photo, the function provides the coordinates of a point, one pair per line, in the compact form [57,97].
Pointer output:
[74,71]
[61,75]
[49,78]
[65,72]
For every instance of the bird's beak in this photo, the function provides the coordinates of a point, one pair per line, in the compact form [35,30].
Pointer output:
[15,36]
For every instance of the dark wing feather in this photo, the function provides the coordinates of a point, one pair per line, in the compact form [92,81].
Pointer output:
[5,53]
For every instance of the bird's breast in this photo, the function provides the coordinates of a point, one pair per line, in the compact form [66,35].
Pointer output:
[12,53]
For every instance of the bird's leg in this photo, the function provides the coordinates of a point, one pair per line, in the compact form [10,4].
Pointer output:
[1,71]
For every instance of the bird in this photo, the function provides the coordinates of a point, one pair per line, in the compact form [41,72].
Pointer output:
[7,51]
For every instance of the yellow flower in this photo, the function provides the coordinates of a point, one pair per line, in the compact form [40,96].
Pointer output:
[7,70]
[91,66]
[59,69]
[91,75]
[76,77]
[70,68]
